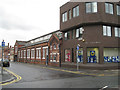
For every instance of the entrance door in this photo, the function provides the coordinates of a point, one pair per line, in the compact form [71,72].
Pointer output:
[15,58]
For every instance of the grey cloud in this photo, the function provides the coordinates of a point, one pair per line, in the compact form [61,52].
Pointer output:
[10,22]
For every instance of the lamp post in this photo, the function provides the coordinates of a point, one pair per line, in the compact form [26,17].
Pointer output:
[3,44]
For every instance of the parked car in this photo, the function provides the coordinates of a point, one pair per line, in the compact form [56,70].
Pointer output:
[6,62]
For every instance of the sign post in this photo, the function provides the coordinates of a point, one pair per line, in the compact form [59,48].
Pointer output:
[3,44]
[78,46]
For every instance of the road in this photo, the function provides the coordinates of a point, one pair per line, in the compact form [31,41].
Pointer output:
[36,76]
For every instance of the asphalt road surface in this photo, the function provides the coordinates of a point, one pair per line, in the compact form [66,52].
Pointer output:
[35,76]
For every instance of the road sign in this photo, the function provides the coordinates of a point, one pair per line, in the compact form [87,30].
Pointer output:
[77,47]
[3,44]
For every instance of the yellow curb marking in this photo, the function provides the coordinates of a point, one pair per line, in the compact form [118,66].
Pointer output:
[77,72]
[16,80]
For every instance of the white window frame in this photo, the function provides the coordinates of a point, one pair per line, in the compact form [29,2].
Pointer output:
[107,31]
[51,60]
[69,14]
[16,49]
[117,32]
[64,17]
[79,32]
[92,7]
[44,48]
[109,8]
[18,54]
[38,53]
[24,53]
[76,11]
[118,9]
[28,53]
[32,53]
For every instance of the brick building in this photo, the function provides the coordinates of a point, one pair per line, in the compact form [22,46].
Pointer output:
[38,50]
[6,52]
[95,28]
[90,36]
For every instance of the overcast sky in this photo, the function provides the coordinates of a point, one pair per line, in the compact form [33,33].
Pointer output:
[28,19]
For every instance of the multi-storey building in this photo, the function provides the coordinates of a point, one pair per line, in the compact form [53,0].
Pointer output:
[91,32]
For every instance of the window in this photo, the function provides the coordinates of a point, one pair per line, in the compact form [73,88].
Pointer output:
[67,55]
[106,31]
[76,11]
[39,53]
[117,32]
[43,53]
[18,54]
[64,17]
[54,46]
[57,46]
[32,53]
[67,35]
[111,57]
[109,8]
[118,10]
[79,32]
[15,49]
[72,34]
[51,47]
[28,53]
[91,7]
[54,59]
[51,57]
[24,53]
[69,14]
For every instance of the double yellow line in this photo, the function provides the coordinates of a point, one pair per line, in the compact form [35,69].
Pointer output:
[82,73]
[16,78]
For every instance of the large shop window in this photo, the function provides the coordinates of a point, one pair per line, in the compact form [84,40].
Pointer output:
[111,54]
[79,54]
[93,55]
[67,55]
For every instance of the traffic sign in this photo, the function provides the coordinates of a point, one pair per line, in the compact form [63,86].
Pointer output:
[77,47]
[3,44]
